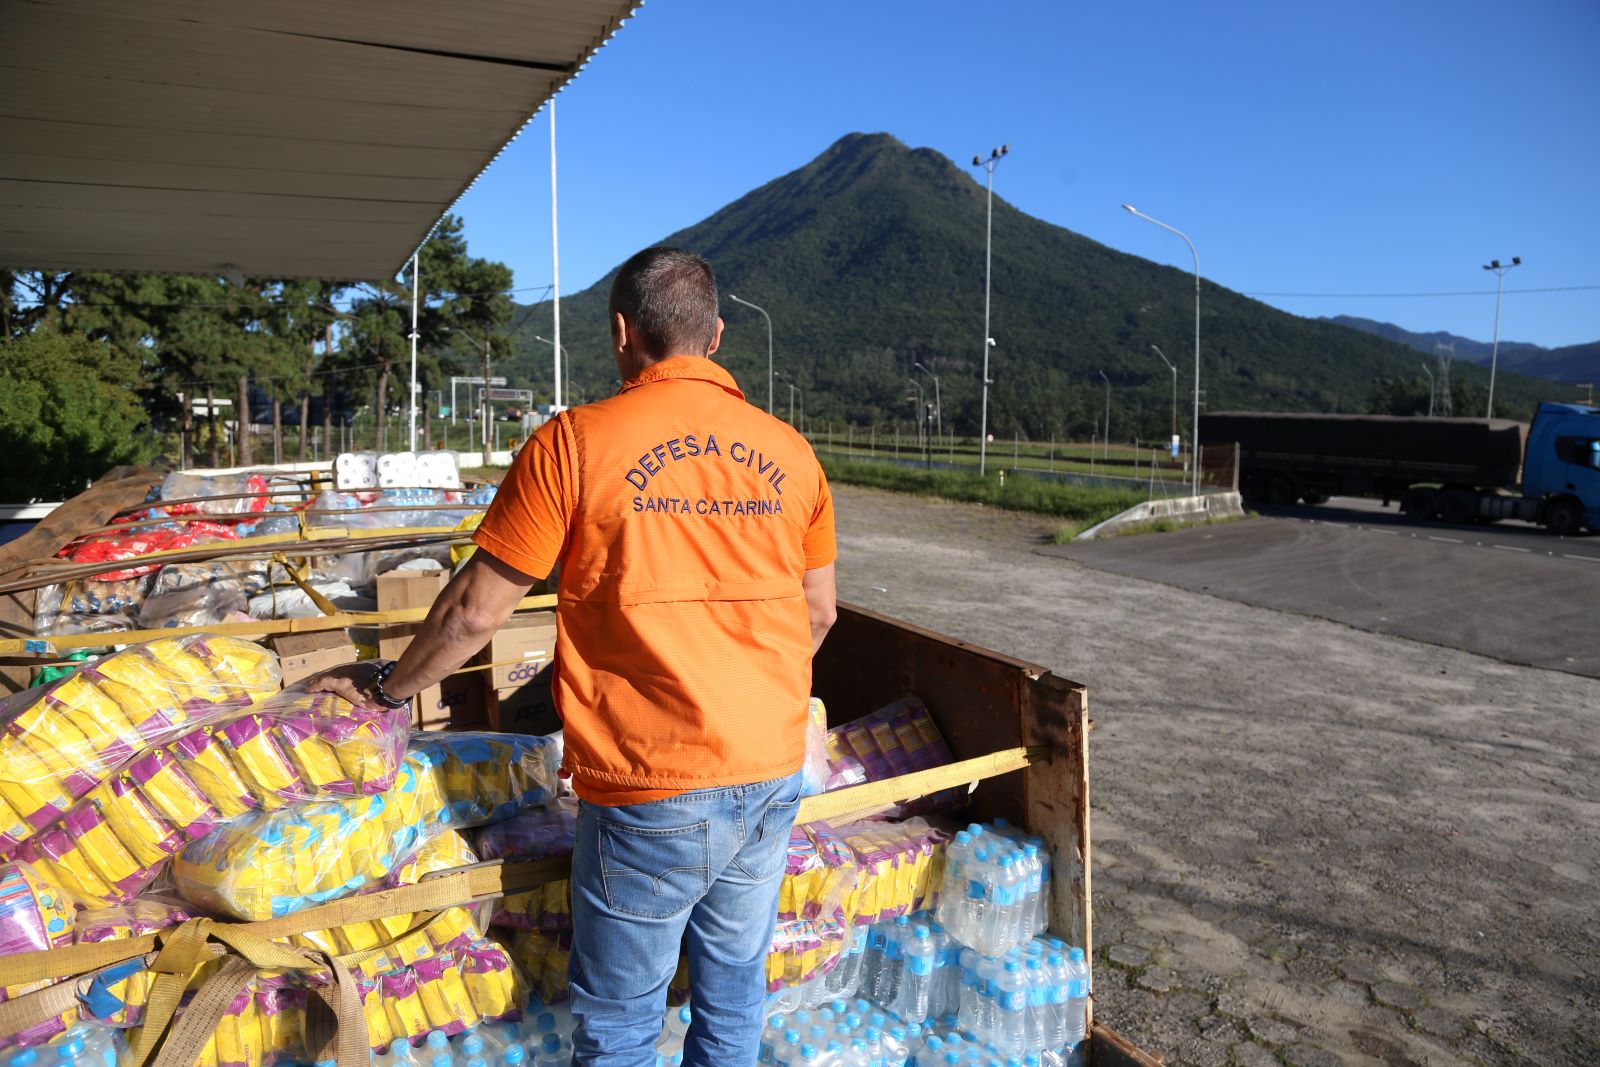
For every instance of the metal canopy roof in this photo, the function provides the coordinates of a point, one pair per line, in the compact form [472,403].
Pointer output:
[293,138]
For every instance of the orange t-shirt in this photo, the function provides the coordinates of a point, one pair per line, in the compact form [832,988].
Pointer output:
[683,520]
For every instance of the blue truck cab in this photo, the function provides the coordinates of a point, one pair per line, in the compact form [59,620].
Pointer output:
[1561,466]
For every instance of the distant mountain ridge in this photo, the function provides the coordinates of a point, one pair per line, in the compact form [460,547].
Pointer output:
[1569,363]
[870,260]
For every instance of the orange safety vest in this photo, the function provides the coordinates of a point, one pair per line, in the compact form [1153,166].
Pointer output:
[683,520]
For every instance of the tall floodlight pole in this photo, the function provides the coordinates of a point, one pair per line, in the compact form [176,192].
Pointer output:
[1107,446]
[1494,354]
[988,262]
[413,436]
[1173,367]
[1194,440]
[764,315]
[555,258]
[938,406]
[1429,373]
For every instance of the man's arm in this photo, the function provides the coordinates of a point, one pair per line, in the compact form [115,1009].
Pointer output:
[821,601]
[467,613]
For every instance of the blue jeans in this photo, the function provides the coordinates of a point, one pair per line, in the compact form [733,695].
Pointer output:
[699,871]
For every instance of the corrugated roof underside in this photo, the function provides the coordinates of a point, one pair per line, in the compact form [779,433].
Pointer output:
[285,139]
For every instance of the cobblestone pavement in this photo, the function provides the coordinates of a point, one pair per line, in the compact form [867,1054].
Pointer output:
[1312,845]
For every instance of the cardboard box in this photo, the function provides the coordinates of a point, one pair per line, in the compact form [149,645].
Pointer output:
[517,693]
[302,655]
[456,703]
[405,589]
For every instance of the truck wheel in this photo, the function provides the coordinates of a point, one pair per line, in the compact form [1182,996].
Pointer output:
[1419,502]
[1456,505]
[1280,490]
[1564,518]
[1314,498]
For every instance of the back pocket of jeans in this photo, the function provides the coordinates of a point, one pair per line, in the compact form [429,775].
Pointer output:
[654,872]
[764,855]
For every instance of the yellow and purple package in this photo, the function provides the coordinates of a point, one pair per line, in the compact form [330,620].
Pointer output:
[108,846]
[894,740]
[62,741]
[267,864]
[542,957]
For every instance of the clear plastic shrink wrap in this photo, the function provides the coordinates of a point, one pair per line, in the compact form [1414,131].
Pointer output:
[268,864]
[110,844]
[60,742]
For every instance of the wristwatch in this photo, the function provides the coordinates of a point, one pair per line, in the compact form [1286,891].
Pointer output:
[375,688]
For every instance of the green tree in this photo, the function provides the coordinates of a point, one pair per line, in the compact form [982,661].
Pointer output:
[68,411]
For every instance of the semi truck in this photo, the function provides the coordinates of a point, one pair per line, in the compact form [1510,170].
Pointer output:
[1455,470]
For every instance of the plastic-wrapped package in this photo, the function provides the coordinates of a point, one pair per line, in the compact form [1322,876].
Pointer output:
[250,576]
[542,957]
[898,867]
[34,914]
[292,602]
[814,773]
[819,874]
[194,606]
[804,949]
[536,834]
[59,742]
[146,915]
[89,606]
[142,541]
[894,740]
[248,490]
[542,833]
[268,864]
[293,746]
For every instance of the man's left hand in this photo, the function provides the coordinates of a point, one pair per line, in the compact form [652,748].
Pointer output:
[348,680]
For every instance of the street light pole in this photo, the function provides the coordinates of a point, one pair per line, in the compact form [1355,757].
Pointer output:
[1107,444]
[764,315]
[1194,439]
[1494,355]
[938,405]
[1429,373]
[790,384]
[1174,368]
[922,411]
[988,262]
[564,359]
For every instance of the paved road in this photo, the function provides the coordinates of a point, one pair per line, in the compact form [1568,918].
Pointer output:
[1509,590]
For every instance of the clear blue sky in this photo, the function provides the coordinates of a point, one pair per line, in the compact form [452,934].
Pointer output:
[1359,147]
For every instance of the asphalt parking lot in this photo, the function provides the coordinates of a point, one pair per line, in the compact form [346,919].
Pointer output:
[1510,591]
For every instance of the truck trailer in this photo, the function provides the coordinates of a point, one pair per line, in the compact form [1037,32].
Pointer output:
[1456,470]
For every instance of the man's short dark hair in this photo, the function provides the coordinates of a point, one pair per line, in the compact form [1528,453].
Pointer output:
[669,298]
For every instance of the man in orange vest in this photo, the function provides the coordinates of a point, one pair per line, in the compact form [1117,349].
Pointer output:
[693,538]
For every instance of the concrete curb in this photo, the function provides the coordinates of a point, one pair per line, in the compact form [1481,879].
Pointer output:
[1183,508]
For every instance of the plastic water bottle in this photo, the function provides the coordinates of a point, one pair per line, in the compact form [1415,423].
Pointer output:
[975,902]
[550,1052]
[514,1055]
[915,994]
[771,1034]
[951,885]
[872,960]
[889,970]
[1011,1002]
[441,1058]
[678,1022]
[1039,1009]
[1077,995]
[787,1046]
[997,932]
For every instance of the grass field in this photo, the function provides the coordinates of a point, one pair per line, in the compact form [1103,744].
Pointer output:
[1077,457]
[1080,505]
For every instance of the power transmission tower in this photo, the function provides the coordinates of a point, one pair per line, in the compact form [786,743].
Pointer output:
[1444,353]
